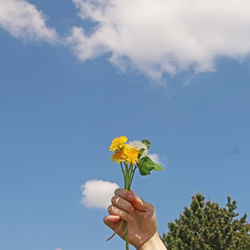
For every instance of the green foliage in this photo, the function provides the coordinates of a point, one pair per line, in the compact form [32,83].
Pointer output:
[204,225]
[245,241]
[147,143]
[146,165]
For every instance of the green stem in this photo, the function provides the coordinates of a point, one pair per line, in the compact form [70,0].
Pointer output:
[123,173]
[127,184]
[127,243]
[128,172]
[115,231]
[132,175]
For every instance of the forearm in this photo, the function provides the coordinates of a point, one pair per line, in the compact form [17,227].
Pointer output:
[153,243]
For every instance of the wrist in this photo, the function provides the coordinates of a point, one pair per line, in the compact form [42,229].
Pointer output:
[153,243]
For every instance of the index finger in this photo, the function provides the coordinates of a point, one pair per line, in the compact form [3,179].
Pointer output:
[125,194]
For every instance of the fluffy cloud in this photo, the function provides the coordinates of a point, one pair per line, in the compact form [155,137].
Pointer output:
[58,248]
[163,36]
[153,37]
[23,20]
[97,193]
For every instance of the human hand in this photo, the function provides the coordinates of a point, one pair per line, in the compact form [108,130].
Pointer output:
[142,226]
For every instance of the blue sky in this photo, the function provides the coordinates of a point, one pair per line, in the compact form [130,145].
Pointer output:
[75,76]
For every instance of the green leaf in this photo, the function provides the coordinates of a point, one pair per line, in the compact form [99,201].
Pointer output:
[147,143]
[146,165]
[141,152]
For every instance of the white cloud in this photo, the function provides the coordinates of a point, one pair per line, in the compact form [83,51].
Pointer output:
[163,36]
[97,193]
[58,248]
[23,20]
[150,36]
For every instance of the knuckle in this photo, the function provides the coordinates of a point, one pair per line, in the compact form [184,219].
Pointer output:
[110,208]
[114,200]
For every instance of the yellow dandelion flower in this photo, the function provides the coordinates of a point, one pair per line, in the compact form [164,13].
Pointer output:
[131,155]
[118,143]
[118,156]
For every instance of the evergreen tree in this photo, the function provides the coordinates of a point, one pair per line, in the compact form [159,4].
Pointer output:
[205,226]
[245,241]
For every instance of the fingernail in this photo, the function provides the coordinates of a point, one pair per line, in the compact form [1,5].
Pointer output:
[131,197]
[129,217]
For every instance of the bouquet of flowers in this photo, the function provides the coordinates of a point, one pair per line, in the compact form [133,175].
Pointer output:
[131,156]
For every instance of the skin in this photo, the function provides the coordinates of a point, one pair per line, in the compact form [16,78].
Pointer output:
[141,216]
